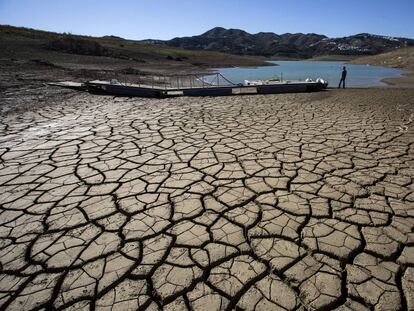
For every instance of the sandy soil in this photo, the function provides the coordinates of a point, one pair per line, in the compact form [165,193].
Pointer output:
[405,81]
[277,202]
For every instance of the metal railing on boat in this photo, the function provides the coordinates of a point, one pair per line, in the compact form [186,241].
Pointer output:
[175,82]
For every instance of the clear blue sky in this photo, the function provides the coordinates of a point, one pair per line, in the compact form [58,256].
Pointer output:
[165,19]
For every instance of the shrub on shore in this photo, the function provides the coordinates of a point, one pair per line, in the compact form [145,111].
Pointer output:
[73,45]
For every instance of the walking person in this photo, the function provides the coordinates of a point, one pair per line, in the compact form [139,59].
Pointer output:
[343,78]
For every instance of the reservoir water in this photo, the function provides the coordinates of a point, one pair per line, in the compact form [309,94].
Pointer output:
[358,75]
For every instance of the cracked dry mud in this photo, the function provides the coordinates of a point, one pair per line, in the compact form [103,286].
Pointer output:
[280,202]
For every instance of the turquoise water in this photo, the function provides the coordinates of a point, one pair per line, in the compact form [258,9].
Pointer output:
[358,75]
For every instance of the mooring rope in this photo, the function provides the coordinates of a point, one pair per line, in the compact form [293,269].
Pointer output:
[227,80]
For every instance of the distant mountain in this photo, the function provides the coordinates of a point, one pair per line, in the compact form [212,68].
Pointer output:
[301,45]
[152,41]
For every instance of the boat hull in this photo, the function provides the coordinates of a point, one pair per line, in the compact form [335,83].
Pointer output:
[210,91]
[157,92]
[124,90]
[290,88]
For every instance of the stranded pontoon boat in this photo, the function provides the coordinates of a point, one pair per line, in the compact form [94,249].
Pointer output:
[195,86]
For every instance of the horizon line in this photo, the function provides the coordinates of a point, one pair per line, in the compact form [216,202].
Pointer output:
[252,33]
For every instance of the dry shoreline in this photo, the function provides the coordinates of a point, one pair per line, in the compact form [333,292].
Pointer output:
[302,201]
[406,80]
[287,201]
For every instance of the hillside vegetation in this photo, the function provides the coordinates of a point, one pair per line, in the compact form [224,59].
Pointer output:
[401,58]
[109,52]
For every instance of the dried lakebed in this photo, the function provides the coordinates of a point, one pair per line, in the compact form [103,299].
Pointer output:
[279,202]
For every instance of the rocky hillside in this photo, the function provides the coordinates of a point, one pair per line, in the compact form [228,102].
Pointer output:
[297,45]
